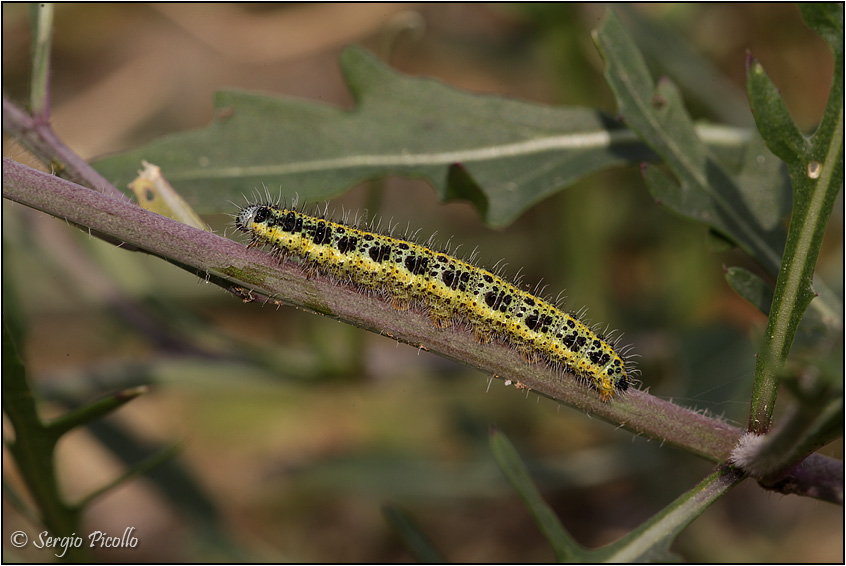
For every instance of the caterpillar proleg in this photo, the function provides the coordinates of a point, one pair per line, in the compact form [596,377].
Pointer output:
[450,289]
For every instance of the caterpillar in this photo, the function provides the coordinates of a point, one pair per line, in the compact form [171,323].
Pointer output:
[450,290]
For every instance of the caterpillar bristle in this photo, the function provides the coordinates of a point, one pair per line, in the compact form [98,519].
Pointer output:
[449,290]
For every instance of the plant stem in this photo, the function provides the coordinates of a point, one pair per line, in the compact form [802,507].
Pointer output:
[42,26]
[659,531]
[233,266]
[816,172]
[793,293]
[40,139]
[253,274]
[33,450]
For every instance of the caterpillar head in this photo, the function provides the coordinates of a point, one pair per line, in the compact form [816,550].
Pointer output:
[250,215]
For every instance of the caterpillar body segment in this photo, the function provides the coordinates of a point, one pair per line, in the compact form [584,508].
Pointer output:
[449,288]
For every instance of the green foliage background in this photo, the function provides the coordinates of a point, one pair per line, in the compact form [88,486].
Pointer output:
[299,428]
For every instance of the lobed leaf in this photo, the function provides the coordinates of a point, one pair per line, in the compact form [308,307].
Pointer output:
[705,189]
[701,80]
[503,155]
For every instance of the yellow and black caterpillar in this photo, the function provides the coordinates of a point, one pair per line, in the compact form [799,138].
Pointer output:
[449,288]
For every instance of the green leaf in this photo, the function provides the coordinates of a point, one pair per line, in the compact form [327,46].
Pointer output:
[415,540]
[651,541]
[566,549]
[764,189]
[826,19]
[813,328]
[167,473]
[33,447]
[18,402]
[648,543]
[141,468]
[771,115]
[503,155]
[816,173]
[668,50]
[88,413]
[750,287]
[717,243]
[705,190]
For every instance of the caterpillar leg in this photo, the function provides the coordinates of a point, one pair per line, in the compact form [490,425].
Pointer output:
[441,321]
[530,356]
[400,303]
[481,336]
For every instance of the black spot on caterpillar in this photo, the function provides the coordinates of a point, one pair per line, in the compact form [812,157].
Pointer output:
[450,290]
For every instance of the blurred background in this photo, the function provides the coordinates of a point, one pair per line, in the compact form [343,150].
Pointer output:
[296,430]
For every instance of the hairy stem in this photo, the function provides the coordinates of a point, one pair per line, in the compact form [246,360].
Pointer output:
[253,274]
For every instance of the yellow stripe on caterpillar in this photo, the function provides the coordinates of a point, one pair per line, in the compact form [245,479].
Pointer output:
[449,288]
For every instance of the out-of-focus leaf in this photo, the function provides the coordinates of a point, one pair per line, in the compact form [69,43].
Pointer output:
[651,541]
[170,476]
[41,15]
[33,448]
[415,540]
[704,191]
[750,287]
[566,549]
[813,327]
[771,115]
[93,411]
[511,154]
[826,19]
[671,53]
[815,166]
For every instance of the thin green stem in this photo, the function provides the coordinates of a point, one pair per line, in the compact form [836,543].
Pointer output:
[42,35]
[816,184]
[33,449]
[564,546]
[139,469]
[95,410]
[643,544]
